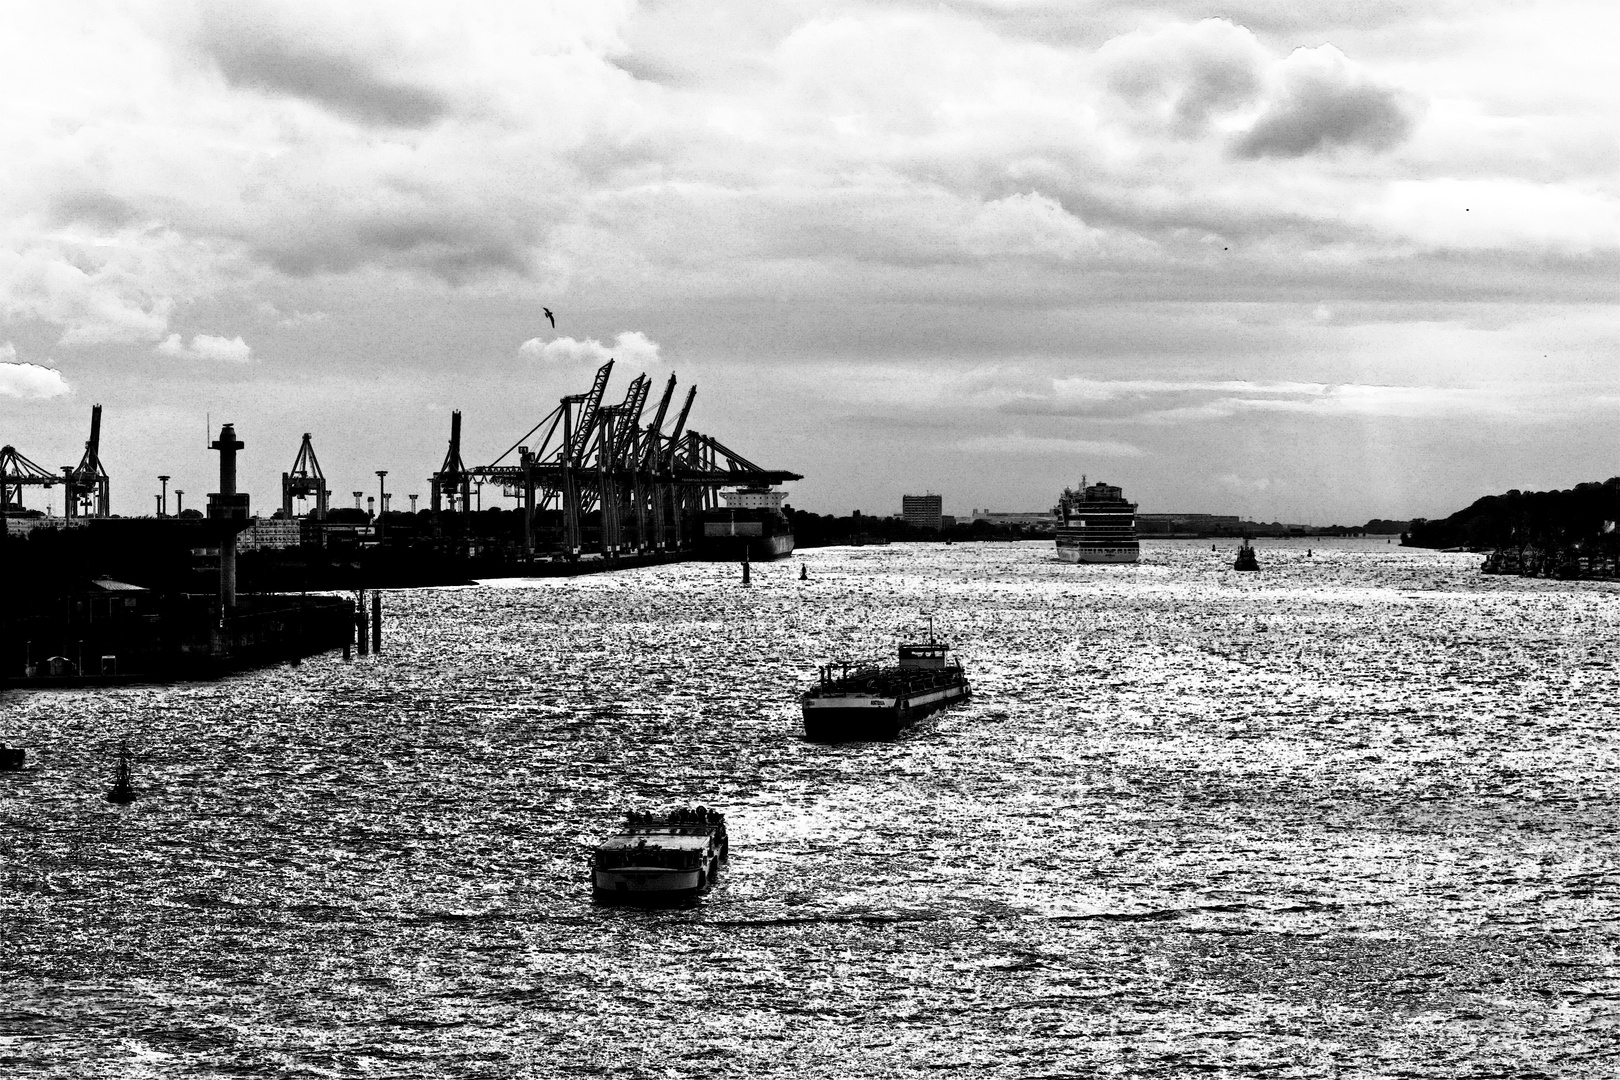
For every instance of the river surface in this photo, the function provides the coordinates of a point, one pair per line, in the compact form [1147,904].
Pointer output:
[1353,816]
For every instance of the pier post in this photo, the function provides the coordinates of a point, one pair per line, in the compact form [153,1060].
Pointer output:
[360,621]
[376,621]
[745,566]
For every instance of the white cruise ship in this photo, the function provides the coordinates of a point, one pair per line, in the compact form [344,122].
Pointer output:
[1096,525]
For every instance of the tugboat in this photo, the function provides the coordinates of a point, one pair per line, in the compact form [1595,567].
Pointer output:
[123,790]
[1245,557]
[858,704]
[660,858]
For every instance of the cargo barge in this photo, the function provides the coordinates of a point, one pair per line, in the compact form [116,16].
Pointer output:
[852,703]
[660,858]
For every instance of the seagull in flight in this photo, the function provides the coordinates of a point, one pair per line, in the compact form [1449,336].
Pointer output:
[551,317]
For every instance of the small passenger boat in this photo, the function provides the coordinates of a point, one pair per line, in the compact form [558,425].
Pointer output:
[660,858]
[1245,557]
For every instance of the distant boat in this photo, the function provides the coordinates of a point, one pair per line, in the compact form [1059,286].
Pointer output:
[1245,557]
[123,789]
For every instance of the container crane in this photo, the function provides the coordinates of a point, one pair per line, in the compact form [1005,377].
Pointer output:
[305,481]
[87,487]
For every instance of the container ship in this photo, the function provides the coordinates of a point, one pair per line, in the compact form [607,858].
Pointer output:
[751,524]
[854,703]
[1096,525]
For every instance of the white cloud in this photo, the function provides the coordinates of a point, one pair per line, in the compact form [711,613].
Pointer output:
[95,295]
[206,347]
[631,348]
[1020,443]
[1030,225]
[1172,401]
[28,380]
[1496,214]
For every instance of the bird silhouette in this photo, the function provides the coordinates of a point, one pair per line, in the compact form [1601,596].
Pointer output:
[551,317]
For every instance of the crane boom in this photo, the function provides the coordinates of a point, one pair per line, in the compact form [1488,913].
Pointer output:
[591,404]
[650,452]
[675,432]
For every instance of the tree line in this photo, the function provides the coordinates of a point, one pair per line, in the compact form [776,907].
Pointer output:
[1569,533]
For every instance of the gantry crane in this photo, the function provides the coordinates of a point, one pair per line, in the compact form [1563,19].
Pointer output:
[16,473]
[87,487]
[645,485]
[452,480]
[305,481]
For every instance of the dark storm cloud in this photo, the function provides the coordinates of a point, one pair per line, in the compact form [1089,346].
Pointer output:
[259,55]
[92,208]
[1190,72]
[456,246]
[1324,104]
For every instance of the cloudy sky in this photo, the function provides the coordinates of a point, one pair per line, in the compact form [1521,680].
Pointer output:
[1291,260]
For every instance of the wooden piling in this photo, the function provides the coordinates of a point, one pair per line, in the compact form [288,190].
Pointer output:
[360,622]
[376,621]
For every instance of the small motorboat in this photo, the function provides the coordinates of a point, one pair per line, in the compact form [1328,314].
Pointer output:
[1245,557]
[123,789]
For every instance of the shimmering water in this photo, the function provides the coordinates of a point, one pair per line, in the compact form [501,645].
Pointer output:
[1353,816]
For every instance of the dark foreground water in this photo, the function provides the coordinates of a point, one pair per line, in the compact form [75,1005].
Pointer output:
[1353,816]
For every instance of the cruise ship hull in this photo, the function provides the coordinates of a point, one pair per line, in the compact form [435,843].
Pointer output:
[1075,554]
[870,718]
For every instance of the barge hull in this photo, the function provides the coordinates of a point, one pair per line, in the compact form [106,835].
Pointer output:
[654,886]
[874,722]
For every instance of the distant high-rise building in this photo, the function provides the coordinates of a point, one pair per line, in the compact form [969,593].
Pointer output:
[924,511]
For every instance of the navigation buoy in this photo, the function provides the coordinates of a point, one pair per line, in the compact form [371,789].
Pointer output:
[123,789]
[745,568]
[804,572]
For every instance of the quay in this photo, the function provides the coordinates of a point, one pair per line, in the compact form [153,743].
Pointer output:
[93,598]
